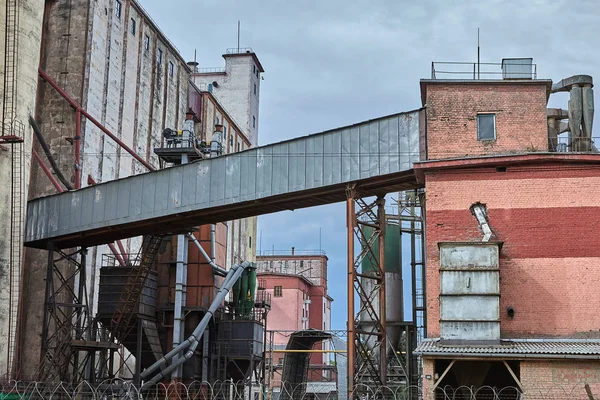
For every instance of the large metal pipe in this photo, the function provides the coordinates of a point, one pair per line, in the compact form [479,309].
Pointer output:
[178,320]
[216,269]
[77,143]
[42,142]
[350,222]
[93,120]
[191,343]
[37,157]
[588,110]
[213,242]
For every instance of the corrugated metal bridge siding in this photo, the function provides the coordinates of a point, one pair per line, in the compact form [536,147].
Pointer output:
[355,153]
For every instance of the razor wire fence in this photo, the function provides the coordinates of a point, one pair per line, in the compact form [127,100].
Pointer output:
[117,389]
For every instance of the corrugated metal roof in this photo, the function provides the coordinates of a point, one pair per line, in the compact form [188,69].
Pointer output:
[544,348]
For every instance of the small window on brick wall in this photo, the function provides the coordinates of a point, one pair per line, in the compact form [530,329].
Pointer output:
[486,127]
[277,291]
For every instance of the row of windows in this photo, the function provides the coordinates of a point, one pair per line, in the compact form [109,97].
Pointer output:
[132,28]
[239,145]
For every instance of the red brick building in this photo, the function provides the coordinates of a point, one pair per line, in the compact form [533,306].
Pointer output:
[519,310]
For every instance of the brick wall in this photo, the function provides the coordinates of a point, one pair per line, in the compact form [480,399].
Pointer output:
[560,379]
[452,110]
[547,217]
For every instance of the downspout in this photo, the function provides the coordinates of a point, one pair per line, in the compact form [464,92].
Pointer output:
[191,343]
[216,269]
[213,244]
[180,286]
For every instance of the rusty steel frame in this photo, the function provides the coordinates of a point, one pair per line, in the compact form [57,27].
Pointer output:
[363,366]
[66,314]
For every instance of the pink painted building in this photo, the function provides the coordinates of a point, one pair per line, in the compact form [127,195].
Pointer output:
[297,282]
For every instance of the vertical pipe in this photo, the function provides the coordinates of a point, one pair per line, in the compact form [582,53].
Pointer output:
[422,213]
[213,240]
[177,312]
[49,273]
[350,222]
[77,142]
[180,283]
[138,355]
[205,350]
[382,310]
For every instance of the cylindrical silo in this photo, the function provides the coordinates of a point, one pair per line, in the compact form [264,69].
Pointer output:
[393,286]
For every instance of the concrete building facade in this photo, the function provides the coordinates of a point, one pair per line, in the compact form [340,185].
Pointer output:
[522,313]
[113,61]
[236,87]
[17,104]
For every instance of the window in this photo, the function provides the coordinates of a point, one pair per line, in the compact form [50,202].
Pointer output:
[253,122]
[278,291]
[171,69]
[159,56]
[146,42]
[255,89]
[486,126]
[132,26]
[118,8]
[238,147]
[253,69]
[225,138]
[250,241]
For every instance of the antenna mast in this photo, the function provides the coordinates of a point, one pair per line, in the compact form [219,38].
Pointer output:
[238,48]
[478,59]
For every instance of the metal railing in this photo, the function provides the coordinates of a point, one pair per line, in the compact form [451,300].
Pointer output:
[211,70]
[290,253]
[473,70]
[575,145]
[239,50]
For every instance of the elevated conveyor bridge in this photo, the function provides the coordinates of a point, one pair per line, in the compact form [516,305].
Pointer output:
[375,157]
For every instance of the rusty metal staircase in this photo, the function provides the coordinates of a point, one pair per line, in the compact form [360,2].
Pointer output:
[124,318]
[121,323]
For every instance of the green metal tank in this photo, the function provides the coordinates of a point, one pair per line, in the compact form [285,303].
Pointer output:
[392,260]
[393,286]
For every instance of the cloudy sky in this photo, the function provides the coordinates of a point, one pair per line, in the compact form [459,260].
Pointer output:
[331,63]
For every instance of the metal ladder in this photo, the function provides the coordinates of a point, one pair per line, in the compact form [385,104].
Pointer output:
[130,296]
[12,133]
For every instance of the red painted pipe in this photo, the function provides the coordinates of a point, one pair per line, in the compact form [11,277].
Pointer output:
[47,171]
[76,106]
[77,149]
[60,190]
[123,252]
[116,253]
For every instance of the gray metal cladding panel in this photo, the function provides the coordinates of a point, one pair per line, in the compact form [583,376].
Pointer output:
[469,308]
[470,282]
[469,255]
[470,330]
[373,148]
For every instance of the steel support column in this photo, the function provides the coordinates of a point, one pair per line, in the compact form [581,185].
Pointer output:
[367,351]
[66,315]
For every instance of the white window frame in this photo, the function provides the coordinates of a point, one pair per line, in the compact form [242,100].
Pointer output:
[479,138]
